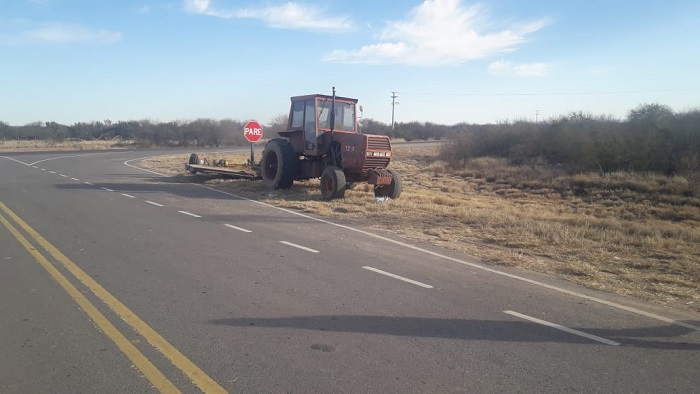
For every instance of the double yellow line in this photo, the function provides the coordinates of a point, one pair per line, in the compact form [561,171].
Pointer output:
[157,379]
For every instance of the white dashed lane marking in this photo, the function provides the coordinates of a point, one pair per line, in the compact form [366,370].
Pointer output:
[106,189]
[128,195]
[389,274]
[299,247]
[189,214]
[237,228]
[562,328]
[154,203]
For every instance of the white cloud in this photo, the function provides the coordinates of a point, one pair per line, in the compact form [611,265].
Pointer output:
[502,67]
[290,15]
[439,32]
[197,6]
[59,33]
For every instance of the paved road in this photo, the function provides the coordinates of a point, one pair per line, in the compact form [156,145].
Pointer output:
[114,279]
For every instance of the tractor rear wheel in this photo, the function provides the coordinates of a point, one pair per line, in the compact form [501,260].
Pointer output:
[333,183]
[392,190]
[278,164]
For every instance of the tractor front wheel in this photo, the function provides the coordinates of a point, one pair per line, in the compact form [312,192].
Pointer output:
[392,190]
[333,183]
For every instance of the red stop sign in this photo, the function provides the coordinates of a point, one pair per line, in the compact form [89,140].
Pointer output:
[252,131]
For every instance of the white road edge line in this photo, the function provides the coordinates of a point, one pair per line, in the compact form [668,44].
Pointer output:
[562,328]
[299,246]
[237,228]
[128,195]
[18,161]
[154,203]
[415,282]
[106,189]
[453,259]
[189,214]
[80,155]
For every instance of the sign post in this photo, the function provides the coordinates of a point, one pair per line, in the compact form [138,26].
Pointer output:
[253,132]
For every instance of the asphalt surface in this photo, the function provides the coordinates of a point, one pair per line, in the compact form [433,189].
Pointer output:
[219,293]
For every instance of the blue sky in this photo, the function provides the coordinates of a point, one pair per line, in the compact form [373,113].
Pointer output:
[450,61]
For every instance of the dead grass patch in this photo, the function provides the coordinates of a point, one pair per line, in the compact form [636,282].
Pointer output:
[632,234]
[49,145]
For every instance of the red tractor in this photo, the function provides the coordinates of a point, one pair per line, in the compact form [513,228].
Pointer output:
[322,140]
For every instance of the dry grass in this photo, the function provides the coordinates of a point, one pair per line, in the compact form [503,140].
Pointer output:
[632,234]
[48,145]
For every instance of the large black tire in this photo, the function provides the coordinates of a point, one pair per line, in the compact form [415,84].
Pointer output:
[333,183]
[278,165]
[393,190]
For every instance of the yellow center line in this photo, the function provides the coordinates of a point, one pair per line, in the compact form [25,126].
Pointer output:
[159,381]
[198,377]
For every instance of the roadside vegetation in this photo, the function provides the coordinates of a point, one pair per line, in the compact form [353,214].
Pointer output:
[65,145]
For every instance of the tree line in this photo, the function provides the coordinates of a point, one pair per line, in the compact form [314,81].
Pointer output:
[652,138]
[146,133]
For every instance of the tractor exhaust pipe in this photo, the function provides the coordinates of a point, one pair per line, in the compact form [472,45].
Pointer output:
[333,112]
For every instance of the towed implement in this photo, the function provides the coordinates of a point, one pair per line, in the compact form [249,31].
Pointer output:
[222,168]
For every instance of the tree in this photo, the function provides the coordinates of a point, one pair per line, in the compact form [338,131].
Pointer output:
[655,114]
[371,126]
[277,123]
[6,131]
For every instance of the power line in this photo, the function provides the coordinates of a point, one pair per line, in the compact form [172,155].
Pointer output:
[556,93]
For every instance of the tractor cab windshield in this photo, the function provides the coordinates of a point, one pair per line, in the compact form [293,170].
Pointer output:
[344,115]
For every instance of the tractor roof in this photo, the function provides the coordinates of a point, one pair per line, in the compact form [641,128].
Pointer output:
[313,96]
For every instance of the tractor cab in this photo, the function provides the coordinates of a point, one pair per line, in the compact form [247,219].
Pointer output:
[313,118]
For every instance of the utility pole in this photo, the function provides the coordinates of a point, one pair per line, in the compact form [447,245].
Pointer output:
[537,115]
[394,96]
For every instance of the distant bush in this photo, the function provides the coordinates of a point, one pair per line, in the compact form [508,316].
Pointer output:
[653,138]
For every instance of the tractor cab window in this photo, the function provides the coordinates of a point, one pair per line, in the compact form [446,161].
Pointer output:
[310,125]
[323,116]
[344,115]
[298,115]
